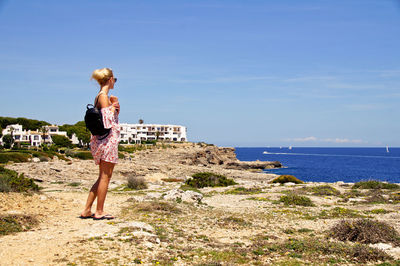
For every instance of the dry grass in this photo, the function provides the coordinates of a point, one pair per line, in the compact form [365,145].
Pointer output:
[157,207]
[135,182]
[365,231]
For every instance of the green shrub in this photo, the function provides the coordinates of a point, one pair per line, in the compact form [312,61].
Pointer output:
[83,155]
[244,191]
[74,184]
[293,199]
[353,193]
[365,231]
[149,142]
[374,184]
[16,223]
[286,179]
[339,212]
[17,183]
[378,211]
[324,190]
[17,157]
[137,183]
[132,148]
[207,179]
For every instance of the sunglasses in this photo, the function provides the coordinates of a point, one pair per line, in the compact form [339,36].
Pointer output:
[115,79]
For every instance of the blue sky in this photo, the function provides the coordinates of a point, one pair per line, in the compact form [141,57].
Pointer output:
[236,73]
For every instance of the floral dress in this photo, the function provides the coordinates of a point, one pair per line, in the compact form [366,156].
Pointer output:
[107,149]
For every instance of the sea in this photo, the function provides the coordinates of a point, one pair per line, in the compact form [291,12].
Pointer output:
[329,164]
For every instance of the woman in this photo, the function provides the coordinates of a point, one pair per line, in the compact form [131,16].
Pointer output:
[104,150]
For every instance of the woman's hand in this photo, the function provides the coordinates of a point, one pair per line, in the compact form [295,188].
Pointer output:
[116,107]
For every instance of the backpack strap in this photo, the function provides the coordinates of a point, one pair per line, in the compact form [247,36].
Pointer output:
[97,98]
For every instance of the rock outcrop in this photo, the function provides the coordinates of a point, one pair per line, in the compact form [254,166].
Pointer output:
[178,194]
[226,157]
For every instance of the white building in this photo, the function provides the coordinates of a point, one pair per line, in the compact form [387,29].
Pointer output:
[34,138]
[136,133]
[130,133]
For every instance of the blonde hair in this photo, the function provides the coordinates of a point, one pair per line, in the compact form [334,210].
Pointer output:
[102,75]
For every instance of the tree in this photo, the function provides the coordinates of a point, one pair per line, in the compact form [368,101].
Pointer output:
[83,135]
[8,141]
[61,141]
[44,130]
[141,121]
[1,132]
[79,129]
[12,129]
[25,122]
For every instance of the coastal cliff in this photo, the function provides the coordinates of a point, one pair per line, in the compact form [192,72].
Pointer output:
[226,157]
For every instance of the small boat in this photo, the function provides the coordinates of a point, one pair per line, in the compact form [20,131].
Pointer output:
[265,152]
[290,147]
[387,149]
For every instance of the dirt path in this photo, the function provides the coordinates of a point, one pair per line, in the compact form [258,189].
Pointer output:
[59,225]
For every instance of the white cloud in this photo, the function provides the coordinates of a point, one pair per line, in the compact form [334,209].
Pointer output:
[306,139]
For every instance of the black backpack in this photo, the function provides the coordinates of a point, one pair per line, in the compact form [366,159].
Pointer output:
[94,121]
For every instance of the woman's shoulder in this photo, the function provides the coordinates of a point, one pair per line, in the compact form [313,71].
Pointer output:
[103,100]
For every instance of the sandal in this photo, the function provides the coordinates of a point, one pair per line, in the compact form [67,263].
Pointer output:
[87,217]
[104,217]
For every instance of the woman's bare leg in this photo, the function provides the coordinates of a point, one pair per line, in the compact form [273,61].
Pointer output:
[106,170]
[92,196]
[105,173]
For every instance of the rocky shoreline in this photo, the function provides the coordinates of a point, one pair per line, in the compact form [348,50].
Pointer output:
[178,161]
[248,223]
